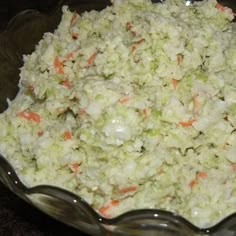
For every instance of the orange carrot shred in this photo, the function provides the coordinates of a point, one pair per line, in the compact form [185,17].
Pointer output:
[140,41]
[192,183]
[114,202]
[74,35]
[222,8]
[40,133]
[145,111]
[28,115]
[69,56]
[201,174]
[179,58]
[58,65]
[73,18]
[234,167]
[67,135]
[31,88]
[219,7]
[132,48]
[123,100]
[128,26]
[133,33]
[187,123]
[103,210]
[91,59]
[74,167]
[66,83]
[128,189]
[174,83]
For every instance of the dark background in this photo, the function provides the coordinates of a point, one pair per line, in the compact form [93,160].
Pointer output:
[9,8]
[18,218]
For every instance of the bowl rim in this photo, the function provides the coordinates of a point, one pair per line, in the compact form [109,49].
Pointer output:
[14,183]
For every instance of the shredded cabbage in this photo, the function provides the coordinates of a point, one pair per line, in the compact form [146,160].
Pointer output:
[132,107]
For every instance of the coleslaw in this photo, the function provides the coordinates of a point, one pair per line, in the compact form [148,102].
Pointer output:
[132,107]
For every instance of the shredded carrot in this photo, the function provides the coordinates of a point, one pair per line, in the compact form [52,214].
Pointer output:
[125,99]
[128,189]
[187,123]
[179,58]
[192,183]
[234,167]
[174,83]
[58,65]
[145,111]
[66,83]
[132,48]
[129,27]
[28,115]
[75,35]
[91,59]
[222,8]
[69,56]
[31,88]
[219,7]
[73,18]
[103,210]
[140,41]
[201,174]
[133,33]
[40,133]
[114,202]
[74,167]
[67,135]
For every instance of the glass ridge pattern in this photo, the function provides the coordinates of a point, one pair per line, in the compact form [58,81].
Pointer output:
[61,204]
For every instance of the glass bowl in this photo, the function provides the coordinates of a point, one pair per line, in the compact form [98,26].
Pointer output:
[20,37]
